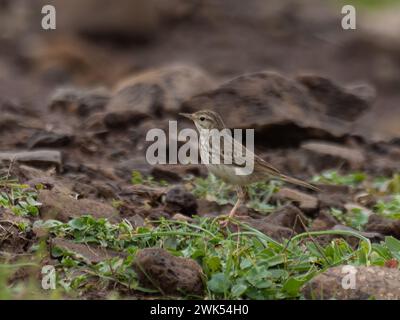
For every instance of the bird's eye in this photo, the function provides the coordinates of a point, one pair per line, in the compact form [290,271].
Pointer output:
[202,118]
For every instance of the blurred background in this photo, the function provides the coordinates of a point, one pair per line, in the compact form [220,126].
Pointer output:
[98,43]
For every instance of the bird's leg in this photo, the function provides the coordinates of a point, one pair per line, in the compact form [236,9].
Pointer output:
[241,194]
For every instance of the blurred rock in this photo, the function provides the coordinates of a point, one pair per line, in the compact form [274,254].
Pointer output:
[178,200]
[13,241]
[181,217]
[371,282]
[282,111]
[385,226]
[324,155]
[122,119]
[136,221]
[158,269]
[169,172]
[333,196]
[90,254]
[324,221]
[338,102]
[41,159]
[158,91]
[272,230]
[79,101]
[43,139]
[63,207]
[306,202]
[290,217]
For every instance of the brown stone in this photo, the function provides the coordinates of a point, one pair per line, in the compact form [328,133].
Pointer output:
[305,201]
[324,155]
[64,207]
[89,253]
[157,268]
[371,282]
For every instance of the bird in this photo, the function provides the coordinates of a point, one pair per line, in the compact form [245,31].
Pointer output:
[207,120]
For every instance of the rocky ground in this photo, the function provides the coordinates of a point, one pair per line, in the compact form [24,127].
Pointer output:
[77,193]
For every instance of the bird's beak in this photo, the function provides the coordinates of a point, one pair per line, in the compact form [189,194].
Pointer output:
[187,115]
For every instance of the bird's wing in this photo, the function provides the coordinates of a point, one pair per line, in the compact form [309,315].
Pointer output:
[239,155]
[271,170]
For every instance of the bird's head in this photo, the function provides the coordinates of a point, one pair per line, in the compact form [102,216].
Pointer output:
[205,119]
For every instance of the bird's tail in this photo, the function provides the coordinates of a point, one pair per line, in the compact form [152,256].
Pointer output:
[298,182]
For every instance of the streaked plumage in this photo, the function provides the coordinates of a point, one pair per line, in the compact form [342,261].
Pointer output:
[206,120]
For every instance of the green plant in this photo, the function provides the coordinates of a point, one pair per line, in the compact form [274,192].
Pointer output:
[214,189]
[334,177]
[355,218]
[245,264]
[389,209]
[138,178]
[19,198]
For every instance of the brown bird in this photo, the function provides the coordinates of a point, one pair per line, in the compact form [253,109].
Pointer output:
[230,171]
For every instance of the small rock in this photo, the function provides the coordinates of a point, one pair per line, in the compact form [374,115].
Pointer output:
[89,253]
[80,102]
[157,214]
[211,208]
[289,217]
[274,231]
[324,155]
[157,91]
[41,159]
[371,282]
[333,196]
[105,190]
[306,202]
[136,221]
[25,173]
[181,217]
[353,206]
[347,104]
[179,200]
[84,190]
[154,194]
[156,268]
[63,207]
[12,240]
[122,119]
[7,216]
[324,221]
[49,140]
[387,227]
[171,173]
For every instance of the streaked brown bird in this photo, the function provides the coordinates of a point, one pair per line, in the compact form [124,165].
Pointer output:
[207,120]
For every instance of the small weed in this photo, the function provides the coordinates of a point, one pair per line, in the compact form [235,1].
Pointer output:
[214,189]
[138,178]
[19,198]
[334,177]
[389,209]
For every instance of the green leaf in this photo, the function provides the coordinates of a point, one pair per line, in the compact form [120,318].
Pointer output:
[238,289]
[136,178]
[213,263]
[293,285]
[219,283]
[394,246]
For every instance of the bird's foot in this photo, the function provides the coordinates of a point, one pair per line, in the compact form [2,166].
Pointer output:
[225,219]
